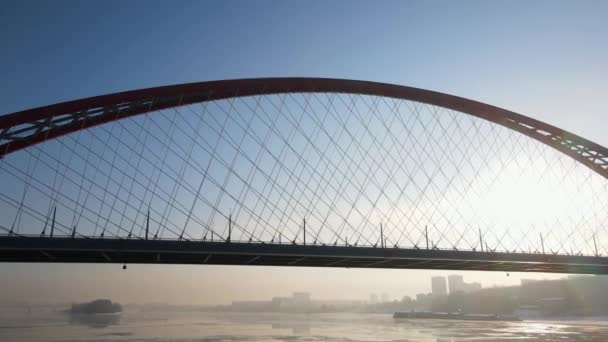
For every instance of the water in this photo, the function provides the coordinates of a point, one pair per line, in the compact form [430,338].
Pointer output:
[48,325]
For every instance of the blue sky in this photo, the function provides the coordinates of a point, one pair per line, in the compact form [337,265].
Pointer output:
[545,59]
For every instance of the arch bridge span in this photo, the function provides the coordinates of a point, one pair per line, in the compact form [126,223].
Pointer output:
[300,172]
[25,128]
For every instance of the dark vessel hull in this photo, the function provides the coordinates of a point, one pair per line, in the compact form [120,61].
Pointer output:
[99,306]
[452,316]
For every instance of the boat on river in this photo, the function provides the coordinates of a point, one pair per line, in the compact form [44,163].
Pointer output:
[458,316]
[98,306]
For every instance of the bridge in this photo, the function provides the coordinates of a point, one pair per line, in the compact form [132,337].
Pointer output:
[300,172]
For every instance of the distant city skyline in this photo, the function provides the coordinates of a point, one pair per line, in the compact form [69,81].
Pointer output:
[67,284]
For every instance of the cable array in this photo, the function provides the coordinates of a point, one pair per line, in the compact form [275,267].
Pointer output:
[340,168]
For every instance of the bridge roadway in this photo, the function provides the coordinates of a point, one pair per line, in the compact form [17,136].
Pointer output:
[137,251]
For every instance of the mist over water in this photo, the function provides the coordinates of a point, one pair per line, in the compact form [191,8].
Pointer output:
[47,324]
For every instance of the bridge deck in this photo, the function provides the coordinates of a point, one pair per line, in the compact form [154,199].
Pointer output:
[132,251]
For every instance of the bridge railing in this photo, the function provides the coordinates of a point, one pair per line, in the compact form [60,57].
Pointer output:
[291,243]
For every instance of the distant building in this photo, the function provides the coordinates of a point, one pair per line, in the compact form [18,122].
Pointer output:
[373,298]
[528,281]
[299,301]
[384,297]
[471,287]
[424,301]
[301,298]
[438,286]
[456,283]
[253,305]
[305,296]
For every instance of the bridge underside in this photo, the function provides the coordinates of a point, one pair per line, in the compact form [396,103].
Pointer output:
[131,251]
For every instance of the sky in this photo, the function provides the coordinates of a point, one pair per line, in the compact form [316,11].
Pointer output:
[544,59]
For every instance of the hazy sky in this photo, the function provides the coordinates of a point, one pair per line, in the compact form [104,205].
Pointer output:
[545,59]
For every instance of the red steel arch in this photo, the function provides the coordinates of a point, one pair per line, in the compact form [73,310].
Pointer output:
[29,127]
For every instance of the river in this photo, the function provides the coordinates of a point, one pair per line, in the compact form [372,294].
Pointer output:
[49,325]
